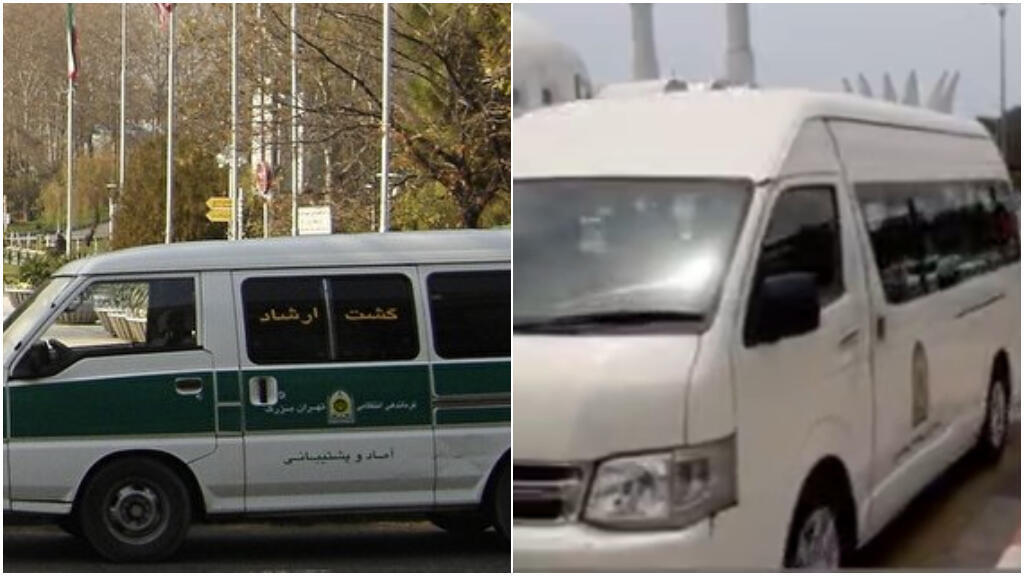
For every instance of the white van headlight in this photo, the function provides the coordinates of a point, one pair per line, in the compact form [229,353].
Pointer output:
[664,490]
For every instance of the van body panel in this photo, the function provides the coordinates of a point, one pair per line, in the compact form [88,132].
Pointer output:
[579,397]
[63,425]
[842,393]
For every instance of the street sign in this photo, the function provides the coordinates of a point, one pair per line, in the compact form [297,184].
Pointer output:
[215,202]
[219,214]
[264,178]
[314,220]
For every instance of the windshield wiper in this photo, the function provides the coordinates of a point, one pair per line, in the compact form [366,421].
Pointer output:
[625,318]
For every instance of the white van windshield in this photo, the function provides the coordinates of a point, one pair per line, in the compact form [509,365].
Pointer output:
[617,252]
[30,313]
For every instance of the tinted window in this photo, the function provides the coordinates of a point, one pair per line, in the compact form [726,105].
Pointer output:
[928,237]
[374,318]
[470,313]
[803,236]
[143,315]
[285,320]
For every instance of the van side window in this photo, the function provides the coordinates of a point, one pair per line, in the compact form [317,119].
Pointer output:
[929,237]
[285,320]
[121,317]
[803,236]
[470,313]
[374,318]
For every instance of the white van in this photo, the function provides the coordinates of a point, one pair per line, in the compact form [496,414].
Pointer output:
[749,326]
[296,376]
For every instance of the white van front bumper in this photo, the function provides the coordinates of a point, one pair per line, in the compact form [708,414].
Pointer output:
[582,548]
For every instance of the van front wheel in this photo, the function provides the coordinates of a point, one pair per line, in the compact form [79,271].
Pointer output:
[816,539]
[136,510]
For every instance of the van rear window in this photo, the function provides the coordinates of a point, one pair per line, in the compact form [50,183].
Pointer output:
[317,319]
[471,313]
[928,237]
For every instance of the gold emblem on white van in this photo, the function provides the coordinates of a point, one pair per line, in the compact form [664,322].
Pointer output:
[340,409]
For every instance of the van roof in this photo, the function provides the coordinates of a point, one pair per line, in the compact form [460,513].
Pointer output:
[392,248]
[730,133]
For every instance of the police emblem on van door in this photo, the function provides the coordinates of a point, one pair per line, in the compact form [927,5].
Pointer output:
[920,397]
[339,409]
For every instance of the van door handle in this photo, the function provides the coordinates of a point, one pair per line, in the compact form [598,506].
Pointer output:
[263,391]
[850,339]
[188,386]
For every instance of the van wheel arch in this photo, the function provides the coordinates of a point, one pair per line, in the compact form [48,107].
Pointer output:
[492,480]
[174,463]
[1002,370]
[829,477]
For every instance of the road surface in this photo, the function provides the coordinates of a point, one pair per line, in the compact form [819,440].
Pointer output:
[318,547]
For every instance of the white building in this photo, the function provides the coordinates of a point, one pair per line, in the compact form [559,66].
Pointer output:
[545,71]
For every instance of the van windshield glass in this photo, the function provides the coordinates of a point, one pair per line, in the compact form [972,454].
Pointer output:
[28,314]
[621,252]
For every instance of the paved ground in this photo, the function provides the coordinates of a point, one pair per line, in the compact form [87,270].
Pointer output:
[321,547]
[966,520]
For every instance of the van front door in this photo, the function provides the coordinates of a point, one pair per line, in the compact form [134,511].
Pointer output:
[121,367]
[336,389]
[804,397]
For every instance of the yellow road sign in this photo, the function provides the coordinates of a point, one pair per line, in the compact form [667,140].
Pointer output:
[215,202]
[219,214]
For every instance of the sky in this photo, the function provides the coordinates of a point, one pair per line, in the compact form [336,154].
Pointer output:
[809,45]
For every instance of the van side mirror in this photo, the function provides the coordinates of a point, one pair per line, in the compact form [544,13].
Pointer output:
[39,361]
[784,306]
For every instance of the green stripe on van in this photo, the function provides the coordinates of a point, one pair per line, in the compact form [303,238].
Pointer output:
[379,396]
[142,405]
[484,415]
[472,379]
[229,419]
[227,386]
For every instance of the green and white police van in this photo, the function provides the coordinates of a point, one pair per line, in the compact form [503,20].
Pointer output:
[299,376]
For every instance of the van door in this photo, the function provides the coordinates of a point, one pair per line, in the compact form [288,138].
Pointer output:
[121,367]
[336,389]
[930,369]
[470,335]
[806,397]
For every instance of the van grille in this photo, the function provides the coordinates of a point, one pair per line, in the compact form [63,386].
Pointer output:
[547,493]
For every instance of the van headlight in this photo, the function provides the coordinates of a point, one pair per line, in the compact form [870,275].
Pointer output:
[662,490]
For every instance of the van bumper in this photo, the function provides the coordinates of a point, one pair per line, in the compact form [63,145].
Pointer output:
[582,548]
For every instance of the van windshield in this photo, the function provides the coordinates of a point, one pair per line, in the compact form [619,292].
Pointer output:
[594,254]
[26,316]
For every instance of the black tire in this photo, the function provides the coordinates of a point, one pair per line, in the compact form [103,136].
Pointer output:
[136,510]
[500,505]
[996,428]
[817,499]
[461,523]
[71,525]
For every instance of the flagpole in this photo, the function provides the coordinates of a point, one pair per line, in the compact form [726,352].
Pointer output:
[71,161]
[169,202]
[295,127]
[385,120]
[236,198]
[120,148]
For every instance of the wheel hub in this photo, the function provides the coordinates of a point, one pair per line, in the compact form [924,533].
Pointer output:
[135,511]
[818,546]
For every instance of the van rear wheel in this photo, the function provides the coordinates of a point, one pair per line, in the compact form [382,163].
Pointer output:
[996,428]
[135,510]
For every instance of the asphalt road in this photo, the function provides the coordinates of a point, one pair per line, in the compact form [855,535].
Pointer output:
[269,547]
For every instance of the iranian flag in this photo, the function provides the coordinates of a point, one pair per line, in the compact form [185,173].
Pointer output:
[72,44]
[163,12]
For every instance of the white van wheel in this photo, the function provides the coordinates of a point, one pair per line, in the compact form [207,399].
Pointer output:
[135,510]
[818,545]
[997,418]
